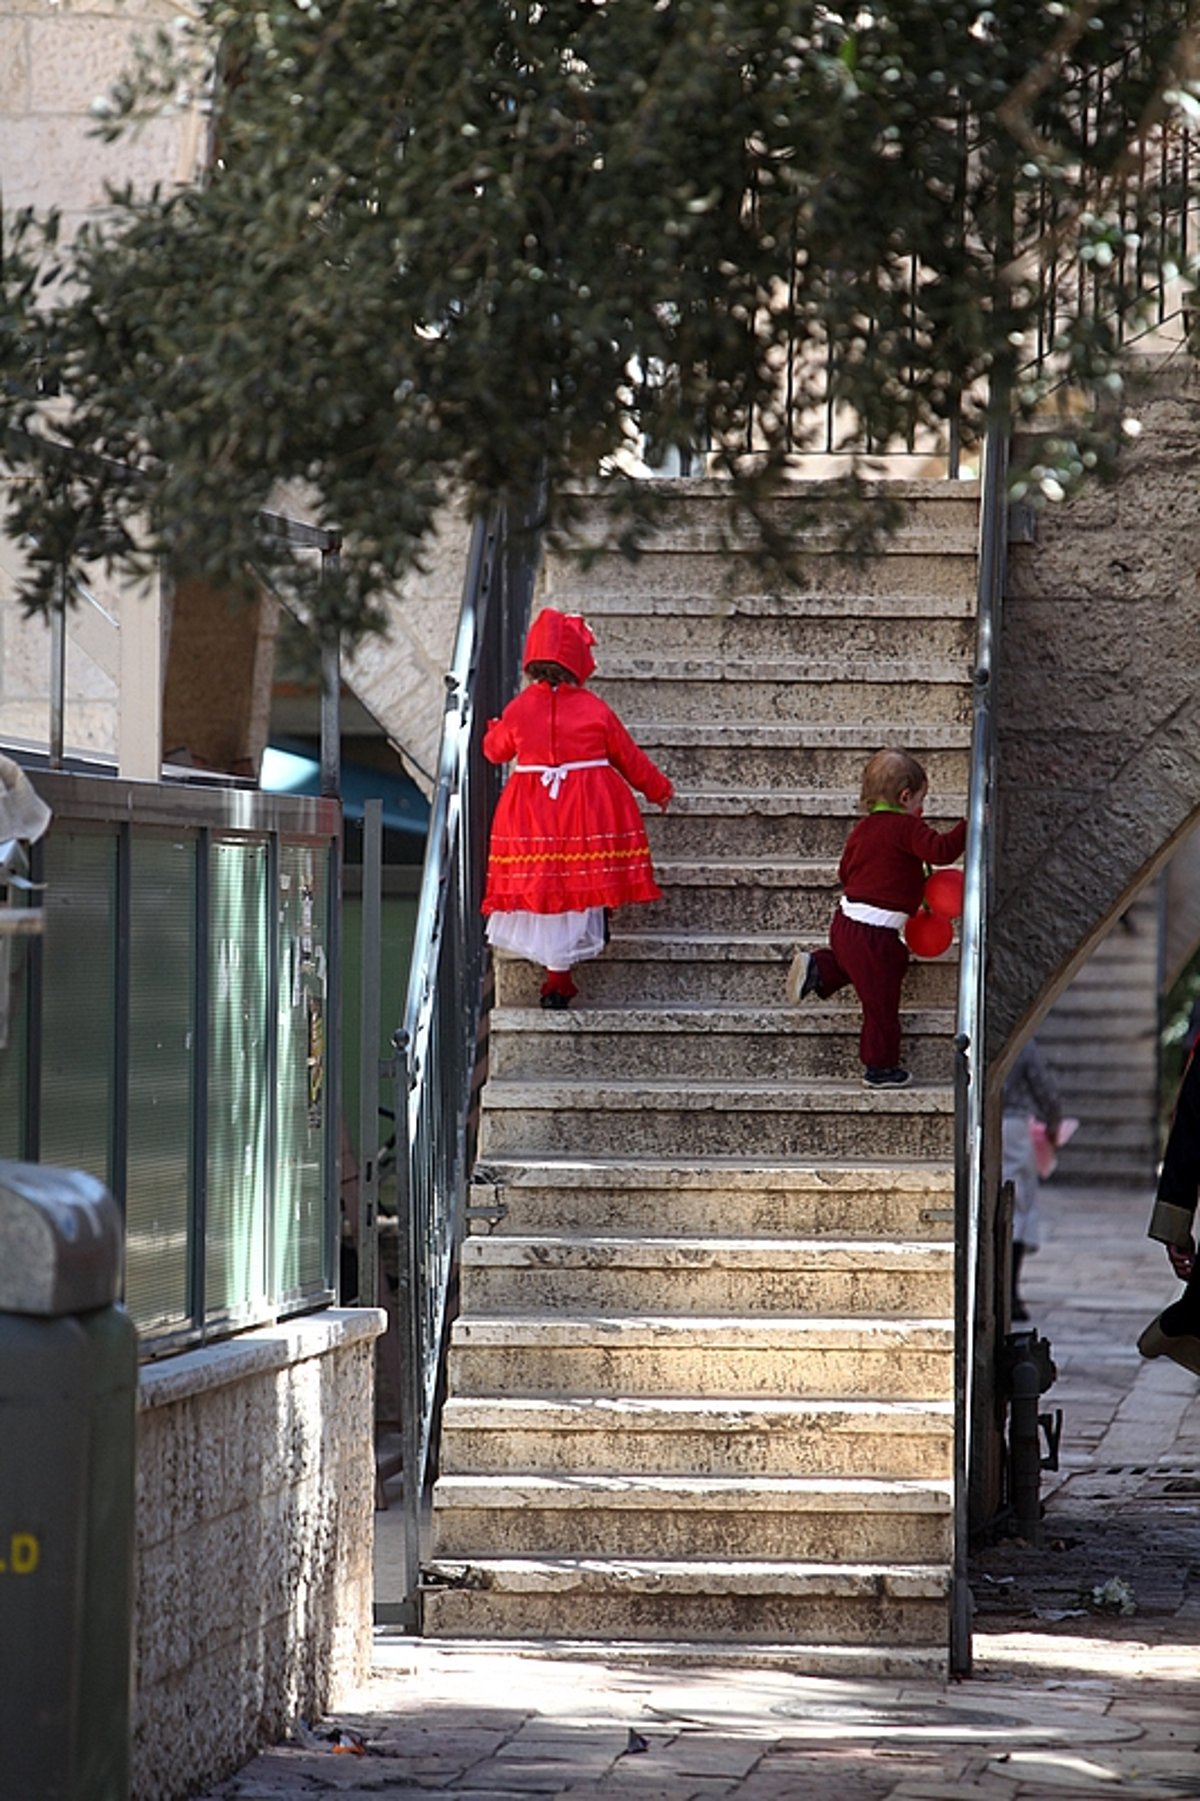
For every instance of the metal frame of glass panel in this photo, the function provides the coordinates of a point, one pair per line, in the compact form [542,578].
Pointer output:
[161,942]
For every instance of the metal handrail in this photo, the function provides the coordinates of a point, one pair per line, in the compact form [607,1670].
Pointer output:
[970,1038]
[436,1046]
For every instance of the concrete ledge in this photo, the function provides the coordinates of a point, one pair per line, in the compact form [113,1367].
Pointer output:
[256,1353]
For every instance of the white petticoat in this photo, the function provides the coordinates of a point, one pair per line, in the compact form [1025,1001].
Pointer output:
[555,940]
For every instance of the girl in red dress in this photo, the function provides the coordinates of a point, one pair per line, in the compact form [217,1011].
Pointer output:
[568,840]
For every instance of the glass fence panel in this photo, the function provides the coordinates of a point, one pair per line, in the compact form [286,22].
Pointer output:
[239,1085]
[162,1024]
[79,1000]
[302,1090]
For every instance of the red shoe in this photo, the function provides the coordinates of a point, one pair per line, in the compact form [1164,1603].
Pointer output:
[558,989]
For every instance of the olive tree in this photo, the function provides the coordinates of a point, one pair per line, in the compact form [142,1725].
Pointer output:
[450,250]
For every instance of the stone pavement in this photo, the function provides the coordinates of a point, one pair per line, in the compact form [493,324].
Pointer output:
[1071,1696]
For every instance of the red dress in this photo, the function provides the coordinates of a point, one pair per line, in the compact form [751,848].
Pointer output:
[565,839]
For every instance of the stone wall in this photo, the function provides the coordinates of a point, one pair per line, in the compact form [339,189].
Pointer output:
[1098,702]
[56,61]
[256,1477]
[399,675]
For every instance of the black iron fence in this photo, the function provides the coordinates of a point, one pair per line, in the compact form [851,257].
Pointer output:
[436,1046]
[1113,251]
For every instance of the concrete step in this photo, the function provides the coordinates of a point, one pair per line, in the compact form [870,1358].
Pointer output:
[1072,1043]
[695,510]
[731,894]
[925,568]
[893,1201]
[683,1277]
[701,968]
[1123,997]
[639,1599]
[621,1436]
[1116,1132]
[643,1118]
[1127,1174]
[1118,1092]
[774,822]
[783,1044]
[802,1519]
[782,628]
[752,755]
[615,1354]
[795,1657]
[838,688]
[736,895]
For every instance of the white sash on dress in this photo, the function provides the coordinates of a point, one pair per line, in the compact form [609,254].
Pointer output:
[555,774]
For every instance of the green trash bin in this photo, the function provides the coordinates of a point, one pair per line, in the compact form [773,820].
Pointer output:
[68,1406]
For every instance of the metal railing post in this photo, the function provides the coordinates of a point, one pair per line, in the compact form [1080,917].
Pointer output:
[368,1081]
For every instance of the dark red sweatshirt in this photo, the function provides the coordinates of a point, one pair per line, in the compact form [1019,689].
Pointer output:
[883,864]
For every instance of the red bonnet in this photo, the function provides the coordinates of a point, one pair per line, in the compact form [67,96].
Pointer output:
[564,638]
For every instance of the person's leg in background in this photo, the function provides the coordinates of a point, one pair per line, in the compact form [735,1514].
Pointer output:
[1020,1168]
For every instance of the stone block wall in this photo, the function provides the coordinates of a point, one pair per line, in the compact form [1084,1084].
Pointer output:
[255,1527]
[56,60]
[1098,702]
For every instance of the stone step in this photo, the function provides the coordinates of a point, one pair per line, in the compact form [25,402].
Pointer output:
[740,755]
[784,628]
[738,1359]
[1123,996]
[1111,1091]
[783,1044]
[755,1200]
[642,1118]
[638,1599]
[695,510]
[1072,1042]
[800,1519]
[737,895]
[932,565]
[770,895]
[621,1436]
[1117,1132]
[774,822]
[685,1278]
[710,690]
[795,1657]
[1127,1175]
[702,968]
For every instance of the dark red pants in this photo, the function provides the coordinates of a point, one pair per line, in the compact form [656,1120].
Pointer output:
[874,959]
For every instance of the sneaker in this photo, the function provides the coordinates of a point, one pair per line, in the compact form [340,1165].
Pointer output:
[887,1078]
[803,979]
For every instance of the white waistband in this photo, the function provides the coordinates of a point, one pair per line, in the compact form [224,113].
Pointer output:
[865,915]
[555,774]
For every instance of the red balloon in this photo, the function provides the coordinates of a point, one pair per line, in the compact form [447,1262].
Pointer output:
[928,934]
[944,893]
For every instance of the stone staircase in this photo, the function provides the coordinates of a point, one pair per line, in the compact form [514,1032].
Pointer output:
[700,1389]
[1101,1040]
